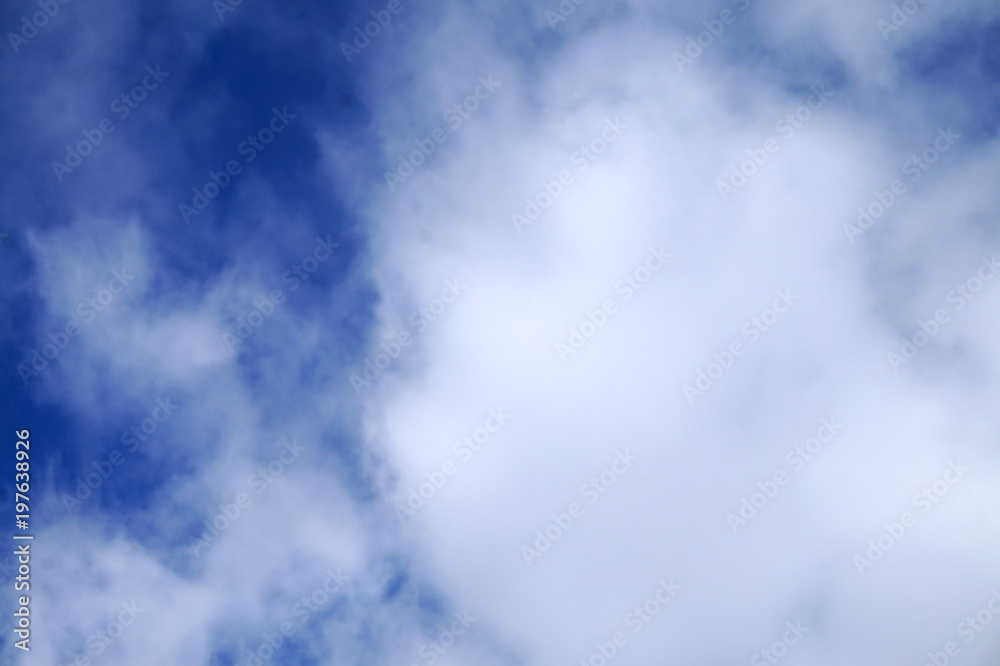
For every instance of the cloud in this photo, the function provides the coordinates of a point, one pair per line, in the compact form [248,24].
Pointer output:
[611,305]
[825,358]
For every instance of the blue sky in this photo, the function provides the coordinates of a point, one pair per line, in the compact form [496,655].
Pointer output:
[469,345]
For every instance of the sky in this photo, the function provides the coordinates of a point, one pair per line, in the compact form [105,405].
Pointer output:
[583,332]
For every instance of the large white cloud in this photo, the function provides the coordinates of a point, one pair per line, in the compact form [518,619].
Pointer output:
[826,357]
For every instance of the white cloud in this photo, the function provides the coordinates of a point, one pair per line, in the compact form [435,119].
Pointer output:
[620,394]
[827,356]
